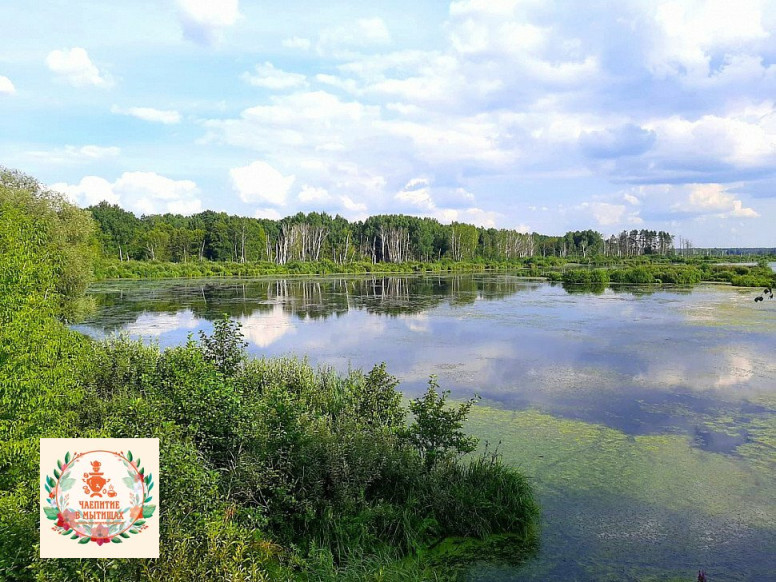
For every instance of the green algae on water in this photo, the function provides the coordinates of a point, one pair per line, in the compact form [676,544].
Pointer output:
[656,498]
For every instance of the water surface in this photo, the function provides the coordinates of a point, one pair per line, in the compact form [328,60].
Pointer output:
[646,417]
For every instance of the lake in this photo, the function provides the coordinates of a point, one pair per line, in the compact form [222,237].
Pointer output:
[645,417]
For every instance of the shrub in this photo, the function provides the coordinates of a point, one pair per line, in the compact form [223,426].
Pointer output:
[639,276]
[437,429]
[752,281]
[376,400]
[576,277]
[225,348]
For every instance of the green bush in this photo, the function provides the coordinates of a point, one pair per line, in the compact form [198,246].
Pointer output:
[599,277]
[225,348]
[577,277]
[436,432]
[753,281]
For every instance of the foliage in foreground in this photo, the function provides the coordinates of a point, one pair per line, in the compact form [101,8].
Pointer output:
[273,467]
[269,469]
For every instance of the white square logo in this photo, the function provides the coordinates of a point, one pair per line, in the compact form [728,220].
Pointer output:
[99,498]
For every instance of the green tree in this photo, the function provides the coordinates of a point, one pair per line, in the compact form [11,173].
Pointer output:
[157,242]
[463,241]
[437,431]
[225,348]
[42,224]
[378,402]
[118,229]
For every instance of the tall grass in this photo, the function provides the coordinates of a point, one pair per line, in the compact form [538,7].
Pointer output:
[195,269]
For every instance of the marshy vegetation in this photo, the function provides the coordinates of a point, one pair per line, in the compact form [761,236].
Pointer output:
[685,274]
[270,469]
[595,273]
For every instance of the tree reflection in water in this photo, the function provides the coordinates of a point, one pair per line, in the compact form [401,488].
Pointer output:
[121,304]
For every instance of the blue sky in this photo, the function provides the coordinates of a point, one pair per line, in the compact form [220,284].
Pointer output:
[531,114]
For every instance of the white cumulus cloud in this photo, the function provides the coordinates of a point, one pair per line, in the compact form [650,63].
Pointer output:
[608,214]
[269,213]
[75,67]
[444,205]
[90,190]
[139,192]
[691,33]
[364,33]
[631,199]
[296,42]
[733,138]
[76,154]
[260,182]
[6,87]
[290,125]
[417,193]
[165,116]
[713,198]
[204,20]
[269,77]
[478,217]
[351,205]
[312,194]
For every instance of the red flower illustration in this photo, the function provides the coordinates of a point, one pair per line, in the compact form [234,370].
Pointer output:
[136,512]
[100,535]
[66,519]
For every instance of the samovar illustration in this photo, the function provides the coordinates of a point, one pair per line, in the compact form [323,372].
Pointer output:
[95,481]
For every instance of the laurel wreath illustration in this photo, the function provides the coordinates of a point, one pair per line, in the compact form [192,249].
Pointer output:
[58,485]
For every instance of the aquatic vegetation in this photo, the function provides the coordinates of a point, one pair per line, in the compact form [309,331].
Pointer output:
[604,492]
[734,311]
[658,272]
[649,467]
[109,270]
[586,277]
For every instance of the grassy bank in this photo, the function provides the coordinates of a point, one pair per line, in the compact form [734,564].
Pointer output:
[194,269]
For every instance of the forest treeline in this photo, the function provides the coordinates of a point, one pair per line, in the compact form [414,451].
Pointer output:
[270,469]
[217,244]
[313,237]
